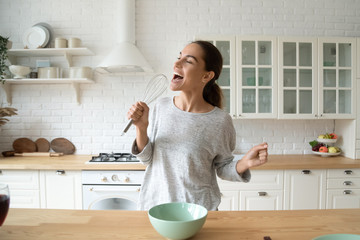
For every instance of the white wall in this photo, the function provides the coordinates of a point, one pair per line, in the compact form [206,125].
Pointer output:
[163,27]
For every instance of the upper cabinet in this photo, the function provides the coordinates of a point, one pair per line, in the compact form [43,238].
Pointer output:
[298,78]
[337,78]
[256,77]
[288,77]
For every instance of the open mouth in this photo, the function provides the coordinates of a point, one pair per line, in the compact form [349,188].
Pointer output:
[177,77]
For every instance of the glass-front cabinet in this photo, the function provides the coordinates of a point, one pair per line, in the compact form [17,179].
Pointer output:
[337,78]
[298,84]
[256,77]
[226,81]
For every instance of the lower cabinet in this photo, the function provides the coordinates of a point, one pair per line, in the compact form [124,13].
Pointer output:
[263,192]
[43,188]
[23,187]
[61,189]
[304,189]
[343,188]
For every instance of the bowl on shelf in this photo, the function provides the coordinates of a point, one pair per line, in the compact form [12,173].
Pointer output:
[178,220]
[19,71]
[326,140]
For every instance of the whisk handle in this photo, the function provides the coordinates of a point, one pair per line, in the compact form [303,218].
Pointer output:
[127,127]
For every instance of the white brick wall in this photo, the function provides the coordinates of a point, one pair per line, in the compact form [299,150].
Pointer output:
[163,27]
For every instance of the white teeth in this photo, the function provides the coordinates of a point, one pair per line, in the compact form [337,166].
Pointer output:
[178,74]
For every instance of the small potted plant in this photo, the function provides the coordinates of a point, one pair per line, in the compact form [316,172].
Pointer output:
[6,112]
[5,44]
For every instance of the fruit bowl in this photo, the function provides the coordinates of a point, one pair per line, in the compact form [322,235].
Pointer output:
[323,140]
[324,154]
[19,71]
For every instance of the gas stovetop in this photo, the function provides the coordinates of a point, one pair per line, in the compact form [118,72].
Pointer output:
[114,158]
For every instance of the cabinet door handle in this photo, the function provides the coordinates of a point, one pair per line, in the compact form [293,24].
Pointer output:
[306,172]
[348,172]
[348,183]
[262,194]
[347,192]
[60,172]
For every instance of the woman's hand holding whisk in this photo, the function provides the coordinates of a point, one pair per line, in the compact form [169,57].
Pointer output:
[139,113]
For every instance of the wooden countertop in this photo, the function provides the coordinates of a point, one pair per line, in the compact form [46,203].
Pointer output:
[111,224]
[78,162]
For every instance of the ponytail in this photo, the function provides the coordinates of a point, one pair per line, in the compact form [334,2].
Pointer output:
[213,62]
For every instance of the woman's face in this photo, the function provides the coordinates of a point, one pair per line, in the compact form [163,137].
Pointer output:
[189,70]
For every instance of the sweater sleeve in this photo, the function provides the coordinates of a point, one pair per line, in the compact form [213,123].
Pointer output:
[224,164]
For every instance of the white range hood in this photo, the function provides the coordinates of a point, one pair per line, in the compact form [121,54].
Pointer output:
[125,56]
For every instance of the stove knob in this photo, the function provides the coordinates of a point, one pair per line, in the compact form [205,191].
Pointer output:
[104,179]
[115,178]
[126,179]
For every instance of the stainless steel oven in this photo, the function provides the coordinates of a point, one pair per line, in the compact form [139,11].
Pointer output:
[111,189]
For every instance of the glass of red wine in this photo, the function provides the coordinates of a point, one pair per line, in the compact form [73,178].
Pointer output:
[4,202]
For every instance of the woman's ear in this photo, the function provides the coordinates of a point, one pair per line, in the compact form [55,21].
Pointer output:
[208,76]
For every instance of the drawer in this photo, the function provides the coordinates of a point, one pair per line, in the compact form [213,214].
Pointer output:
[343,183]
[344,173]
[20,179]
[260,179]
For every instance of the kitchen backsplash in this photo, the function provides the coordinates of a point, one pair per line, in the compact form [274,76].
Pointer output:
[162,29]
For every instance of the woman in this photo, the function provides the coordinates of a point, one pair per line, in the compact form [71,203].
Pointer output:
[191,138]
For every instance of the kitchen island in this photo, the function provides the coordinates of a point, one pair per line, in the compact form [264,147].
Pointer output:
[89,224]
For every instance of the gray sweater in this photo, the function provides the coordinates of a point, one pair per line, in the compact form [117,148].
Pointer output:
[184,153]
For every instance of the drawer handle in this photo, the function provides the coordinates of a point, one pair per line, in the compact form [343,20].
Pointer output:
[347,192]
[262,194]
[348,183]
[60,172]
[306,172]
[348,172]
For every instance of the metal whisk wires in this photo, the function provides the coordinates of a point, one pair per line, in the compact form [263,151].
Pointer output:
[155,87]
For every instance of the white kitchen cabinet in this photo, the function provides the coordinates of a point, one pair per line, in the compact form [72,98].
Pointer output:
[298,78]
[67,53]
[61,189]
[23,187]
[263,192]
[229,201]
[256,85]
[226,81]
[304,189]
[337,88]
[343,188]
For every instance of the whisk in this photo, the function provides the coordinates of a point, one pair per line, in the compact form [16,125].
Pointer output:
[155,87]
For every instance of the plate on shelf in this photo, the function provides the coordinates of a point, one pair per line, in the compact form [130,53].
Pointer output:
[51,32]
[325,140]
[36,37]
[326,154]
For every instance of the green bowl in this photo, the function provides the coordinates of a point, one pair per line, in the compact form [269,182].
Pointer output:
[177,220]
[338,237]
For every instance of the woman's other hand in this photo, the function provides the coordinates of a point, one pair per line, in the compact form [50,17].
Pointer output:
[256,156]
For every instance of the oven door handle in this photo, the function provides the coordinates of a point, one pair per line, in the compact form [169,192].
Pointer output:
[115,189]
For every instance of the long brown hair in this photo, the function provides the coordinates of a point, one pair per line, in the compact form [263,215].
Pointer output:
[213,62]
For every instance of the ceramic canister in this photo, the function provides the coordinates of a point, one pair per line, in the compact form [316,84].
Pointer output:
[74,42]
[60,43]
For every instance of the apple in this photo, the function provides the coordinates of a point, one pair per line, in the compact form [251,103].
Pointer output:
[333,136]
[323,149]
